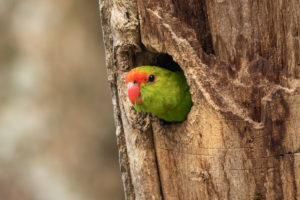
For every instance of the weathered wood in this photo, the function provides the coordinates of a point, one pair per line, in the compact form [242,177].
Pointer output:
[241,59]
[135,142]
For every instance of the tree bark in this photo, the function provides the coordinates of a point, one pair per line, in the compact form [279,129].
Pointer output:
[242,62]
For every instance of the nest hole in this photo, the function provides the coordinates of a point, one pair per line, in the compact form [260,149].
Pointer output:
[166,61]
[156,59]
[147,58]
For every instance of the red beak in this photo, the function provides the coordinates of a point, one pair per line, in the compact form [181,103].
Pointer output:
[134,94]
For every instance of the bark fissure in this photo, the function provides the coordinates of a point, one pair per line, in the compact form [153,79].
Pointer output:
[158,171]
[123,155]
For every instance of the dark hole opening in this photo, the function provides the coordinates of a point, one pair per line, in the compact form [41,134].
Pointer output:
[155,59]
[166,61]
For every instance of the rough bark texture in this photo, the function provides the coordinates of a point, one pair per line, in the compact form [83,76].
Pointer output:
[241,59]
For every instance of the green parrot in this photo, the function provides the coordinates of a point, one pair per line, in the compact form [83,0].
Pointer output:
[160,91]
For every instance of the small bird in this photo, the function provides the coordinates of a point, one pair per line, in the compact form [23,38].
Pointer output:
[159,91]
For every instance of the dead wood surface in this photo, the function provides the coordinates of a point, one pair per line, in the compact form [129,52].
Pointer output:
[241,59]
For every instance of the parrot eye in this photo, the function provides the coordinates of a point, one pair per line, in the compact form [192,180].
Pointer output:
[151,78]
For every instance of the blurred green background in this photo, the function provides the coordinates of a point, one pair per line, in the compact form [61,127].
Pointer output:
[57,139]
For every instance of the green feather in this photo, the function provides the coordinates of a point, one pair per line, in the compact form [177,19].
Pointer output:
[168,97]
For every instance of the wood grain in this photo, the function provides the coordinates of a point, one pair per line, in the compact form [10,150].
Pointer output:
[241,59]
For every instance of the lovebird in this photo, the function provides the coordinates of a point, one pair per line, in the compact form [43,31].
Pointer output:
[159,91]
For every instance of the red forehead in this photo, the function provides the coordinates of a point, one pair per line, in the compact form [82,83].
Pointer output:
[137,76]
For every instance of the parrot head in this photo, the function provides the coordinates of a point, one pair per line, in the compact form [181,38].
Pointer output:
[135,79]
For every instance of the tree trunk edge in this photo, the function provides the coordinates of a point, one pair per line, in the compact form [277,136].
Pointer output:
[122,40]
[105,9]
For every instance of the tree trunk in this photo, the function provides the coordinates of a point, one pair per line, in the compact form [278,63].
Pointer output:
[241,59]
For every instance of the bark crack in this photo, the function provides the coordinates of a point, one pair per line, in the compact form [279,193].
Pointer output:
[157,165]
